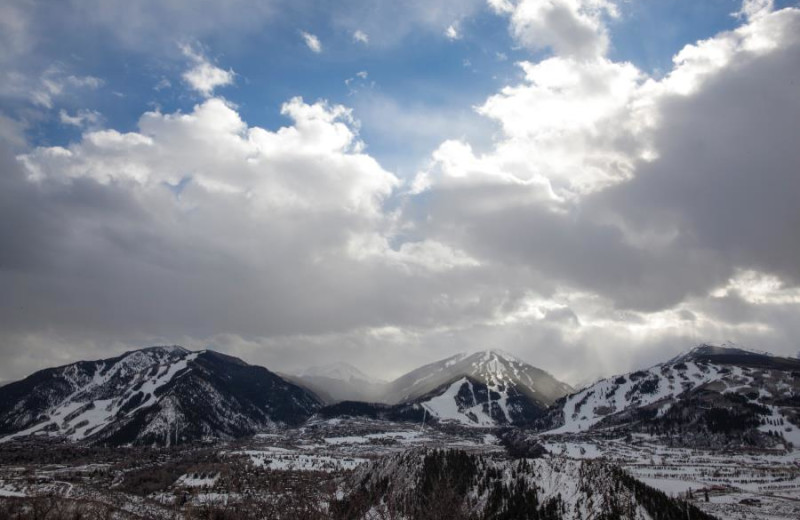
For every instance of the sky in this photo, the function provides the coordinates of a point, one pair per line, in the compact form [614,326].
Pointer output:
[591,185]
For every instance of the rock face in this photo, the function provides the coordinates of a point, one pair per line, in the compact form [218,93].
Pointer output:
[156,395]
[709,391]
[454,484]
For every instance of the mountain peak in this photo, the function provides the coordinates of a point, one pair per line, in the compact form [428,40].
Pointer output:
[143,396]
[167,349]
[727,349]
[494,353]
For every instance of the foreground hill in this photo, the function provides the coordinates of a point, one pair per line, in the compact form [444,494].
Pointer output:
[709,393]
[157,395]
[454,484]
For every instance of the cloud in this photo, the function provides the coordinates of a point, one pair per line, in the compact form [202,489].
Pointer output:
[735,202]
[207,216]
[203,76]
[43,89]
[568,27]
[152,24]
[752,9]
[12,132]
[312,42]
[586,211]
[626,188]
[360,37]
[389,26]
[453,31]
[82,118]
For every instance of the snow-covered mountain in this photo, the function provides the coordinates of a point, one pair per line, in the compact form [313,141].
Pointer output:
[710,389]
[156,395]
[339,382]
[481,389]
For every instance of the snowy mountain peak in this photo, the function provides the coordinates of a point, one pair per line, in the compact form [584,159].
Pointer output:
[727,349]
[488,387]
[494,365]
[167,349]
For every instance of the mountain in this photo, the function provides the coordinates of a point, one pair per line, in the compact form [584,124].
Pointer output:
[455,484]
[480,389]
[156,395]
[710,394]
[339,382]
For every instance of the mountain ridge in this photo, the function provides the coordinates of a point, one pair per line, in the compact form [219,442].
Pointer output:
[154,395]
[724,393]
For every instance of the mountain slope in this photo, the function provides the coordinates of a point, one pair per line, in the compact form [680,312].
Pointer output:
[160,395]
[482,389]
[709,390]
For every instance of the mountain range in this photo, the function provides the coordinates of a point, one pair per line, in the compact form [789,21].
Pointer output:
[167,395]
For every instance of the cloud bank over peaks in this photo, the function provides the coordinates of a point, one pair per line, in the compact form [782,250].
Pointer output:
[645,191]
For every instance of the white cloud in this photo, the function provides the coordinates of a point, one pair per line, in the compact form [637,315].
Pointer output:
[82,118]
[568,27]
[752,9]
[162,84]
[312,42]
[501,6]
[572,128]
[313,164]
[44,90]
[360,37]
[203,76]
[453,31]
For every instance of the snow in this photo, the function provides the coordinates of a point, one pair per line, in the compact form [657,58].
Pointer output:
[581,409]
[445,408]
[194,480]
[101,412]
[400,436]
[495,368]
[303,462]
[6,490]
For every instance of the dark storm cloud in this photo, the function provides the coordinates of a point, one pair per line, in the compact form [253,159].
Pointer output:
[728,176]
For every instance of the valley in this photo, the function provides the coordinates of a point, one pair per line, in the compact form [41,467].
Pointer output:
[303,472]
